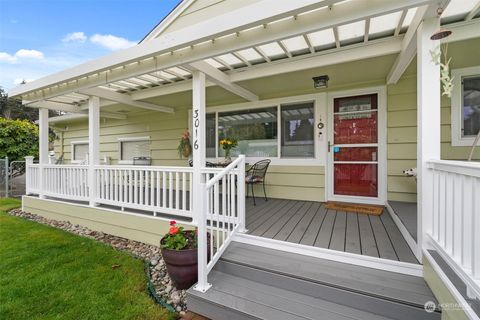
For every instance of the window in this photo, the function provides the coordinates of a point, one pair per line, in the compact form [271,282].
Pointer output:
[79,151]
[278,131]
[255,130]
[465,106]
[130,148]
[297,130]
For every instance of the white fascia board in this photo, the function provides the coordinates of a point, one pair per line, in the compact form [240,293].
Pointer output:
[52,105]
[84,115]
[409,45]
[367,50]
[150,56]
[463,31]
[223,80]
[124,99]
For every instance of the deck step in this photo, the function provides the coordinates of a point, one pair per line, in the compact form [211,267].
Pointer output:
[252,282]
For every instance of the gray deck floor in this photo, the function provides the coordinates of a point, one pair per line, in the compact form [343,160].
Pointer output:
[310,223]
[407,212]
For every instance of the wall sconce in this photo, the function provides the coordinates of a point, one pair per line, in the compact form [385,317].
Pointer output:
[320,82]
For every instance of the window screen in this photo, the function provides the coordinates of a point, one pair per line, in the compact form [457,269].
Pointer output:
[131,149]
[80,151]
[297,130]
[471,106]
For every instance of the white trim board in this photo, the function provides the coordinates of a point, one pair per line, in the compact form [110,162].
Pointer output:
[450,286]
[339,256]
[406,235]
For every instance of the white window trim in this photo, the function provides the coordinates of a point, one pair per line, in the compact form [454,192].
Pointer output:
[320,113]
[129,139]
[72,153]
[457,106]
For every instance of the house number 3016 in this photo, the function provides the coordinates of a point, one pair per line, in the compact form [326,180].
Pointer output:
[196,124]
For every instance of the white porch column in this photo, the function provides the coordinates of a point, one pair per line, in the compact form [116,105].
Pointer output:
[198,137]
[42,147]
[199,202]
[93,144]
[428,120]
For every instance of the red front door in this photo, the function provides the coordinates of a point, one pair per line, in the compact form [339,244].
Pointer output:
[355,146]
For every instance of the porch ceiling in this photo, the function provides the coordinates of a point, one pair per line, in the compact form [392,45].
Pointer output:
[314,28]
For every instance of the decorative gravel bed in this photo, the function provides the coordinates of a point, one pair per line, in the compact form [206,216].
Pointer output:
[158,275]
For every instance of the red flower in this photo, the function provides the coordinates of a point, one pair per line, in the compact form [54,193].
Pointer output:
[173,222]
[173,230]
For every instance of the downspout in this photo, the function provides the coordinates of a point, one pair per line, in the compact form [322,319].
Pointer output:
[474,145]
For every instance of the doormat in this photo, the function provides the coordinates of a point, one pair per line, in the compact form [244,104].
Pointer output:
[353,207]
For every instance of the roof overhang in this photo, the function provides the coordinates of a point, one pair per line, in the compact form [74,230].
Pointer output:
[265,38]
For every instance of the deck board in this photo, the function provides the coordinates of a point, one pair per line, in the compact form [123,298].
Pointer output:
[337,241]
[310,223]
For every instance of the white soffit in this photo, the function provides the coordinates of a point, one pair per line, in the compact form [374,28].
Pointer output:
[409,17]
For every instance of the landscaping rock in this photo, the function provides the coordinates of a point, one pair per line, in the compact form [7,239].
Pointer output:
[157,269]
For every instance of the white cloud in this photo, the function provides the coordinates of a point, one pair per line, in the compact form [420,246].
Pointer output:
[75,37]
[25,53]
[111,42]
[22,53]
[5,57]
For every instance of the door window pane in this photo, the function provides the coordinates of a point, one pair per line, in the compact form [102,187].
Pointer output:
[354,122]
[355,154]
[80,151]
[355,180]
[131,149]
[255,130]
[297,130]
[471,106]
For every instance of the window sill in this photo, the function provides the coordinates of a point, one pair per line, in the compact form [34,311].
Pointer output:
[278,161]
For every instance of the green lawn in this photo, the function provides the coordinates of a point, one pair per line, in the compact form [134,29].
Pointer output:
[46,273]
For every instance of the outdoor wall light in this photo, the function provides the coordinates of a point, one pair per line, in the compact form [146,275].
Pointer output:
[320,82]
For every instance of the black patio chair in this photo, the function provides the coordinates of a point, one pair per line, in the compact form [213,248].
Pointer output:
[142,161]
[207,164]
[256,175]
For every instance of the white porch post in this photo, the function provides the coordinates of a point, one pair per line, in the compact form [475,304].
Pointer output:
[199,201]
[93,144]
[428,120]
[42,148]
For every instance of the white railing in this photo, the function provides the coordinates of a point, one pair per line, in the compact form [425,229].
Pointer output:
[159,189]
[32,178]
[66,181]
[455,228]
[222,216]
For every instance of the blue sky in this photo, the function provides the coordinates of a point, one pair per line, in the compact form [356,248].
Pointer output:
[39,37]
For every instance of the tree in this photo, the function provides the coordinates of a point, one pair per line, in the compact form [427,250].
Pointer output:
[18,139]
[14,109]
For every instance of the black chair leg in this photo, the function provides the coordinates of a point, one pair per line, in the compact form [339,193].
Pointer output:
[264,192]
[253,194]
[247,191]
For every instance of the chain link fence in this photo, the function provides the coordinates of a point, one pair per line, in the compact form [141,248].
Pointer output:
[12,178]
[4,175]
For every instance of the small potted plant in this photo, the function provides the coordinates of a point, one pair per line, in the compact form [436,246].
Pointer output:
[184,146]
[180,251]
[227,145]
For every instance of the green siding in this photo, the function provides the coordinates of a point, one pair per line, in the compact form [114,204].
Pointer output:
[134,227]
[402,124]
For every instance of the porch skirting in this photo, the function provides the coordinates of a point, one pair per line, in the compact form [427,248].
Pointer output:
[132,226]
